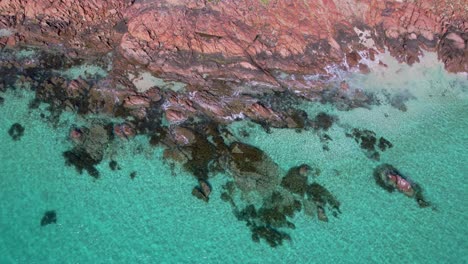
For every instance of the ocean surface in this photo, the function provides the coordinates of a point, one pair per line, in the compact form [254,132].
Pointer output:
[153,218]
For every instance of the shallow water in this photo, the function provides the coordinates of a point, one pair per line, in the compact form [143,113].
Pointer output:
[154,218]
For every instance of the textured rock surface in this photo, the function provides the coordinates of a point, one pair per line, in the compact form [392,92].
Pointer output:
[245,41]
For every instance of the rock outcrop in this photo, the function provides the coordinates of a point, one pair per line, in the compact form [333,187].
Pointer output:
[244,42]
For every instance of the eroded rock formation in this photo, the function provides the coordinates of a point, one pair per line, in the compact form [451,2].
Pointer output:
[247,41]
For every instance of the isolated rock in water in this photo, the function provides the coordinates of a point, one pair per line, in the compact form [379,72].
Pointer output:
[113,165]
[16,131]
[197,192]
[389,178]
[202,191]
[50,217]
[76,135]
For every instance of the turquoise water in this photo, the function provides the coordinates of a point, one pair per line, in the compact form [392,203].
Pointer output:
[154,218]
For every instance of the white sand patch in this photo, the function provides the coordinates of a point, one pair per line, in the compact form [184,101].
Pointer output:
[145,81]
[84,70]
[5,32]
[400,76]
[365,37]
[25,53]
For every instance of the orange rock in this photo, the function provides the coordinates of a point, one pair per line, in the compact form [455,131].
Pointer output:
[175,116]
[136,101]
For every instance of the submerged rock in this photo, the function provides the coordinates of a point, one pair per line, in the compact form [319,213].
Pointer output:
[384,144]
[296,179]
[16,131]
[272,236]
[323,121]
[2,100]
[113,165]
[90,146]
[368,141]
[390,179]
[50,217]
[321,197]
[252,169]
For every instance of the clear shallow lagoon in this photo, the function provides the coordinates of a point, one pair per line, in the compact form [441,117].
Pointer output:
[154,218]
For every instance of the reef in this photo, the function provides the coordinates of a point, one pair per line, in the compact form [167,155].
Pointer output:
[179,71]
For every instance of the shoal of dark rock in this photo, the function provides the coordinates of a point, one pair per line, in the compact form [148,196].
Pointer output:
[368,141]
[202,191]
[113,165]
[50,217]
[16,131]
[81,160]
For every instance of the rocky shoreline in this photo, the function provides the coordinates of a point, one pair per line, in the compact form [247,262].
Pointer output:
[179,71]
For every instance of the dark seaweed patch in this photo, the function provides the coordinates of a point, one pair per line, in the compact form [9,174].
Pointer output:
[321,195]
[34,103]
[272,236]
[50,217]
[323,121]
[384,144]
[260,223]
[113,165]
[82,160]
[203,151]
[16,131]
[368,142]
[158,135]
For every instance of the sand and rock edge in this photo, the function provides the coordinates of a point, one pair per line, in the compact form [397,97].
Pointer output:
[230,61]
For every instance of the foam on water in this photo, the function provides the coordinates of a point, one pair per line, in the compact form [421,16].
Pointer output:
[154,218]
